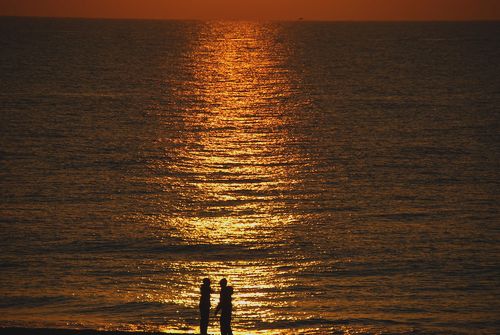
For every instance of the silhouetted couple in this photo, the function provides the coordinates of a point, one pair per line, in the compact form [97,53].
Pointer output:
[225,306]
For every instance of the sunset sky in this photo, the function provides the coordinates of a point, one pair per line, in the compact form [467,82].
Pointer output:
[259,9]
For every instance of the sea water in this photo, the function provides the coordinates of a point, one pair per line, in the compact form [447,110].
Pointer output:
[344,177]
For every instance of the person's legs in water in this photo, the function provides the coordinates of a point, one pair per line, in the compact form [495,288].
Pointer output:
[205,306]
[204,318]
[225,324]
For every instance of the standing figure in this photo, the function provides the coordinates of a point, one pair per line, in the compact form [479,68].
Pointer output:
[204,306]
[226,307]
[227,312]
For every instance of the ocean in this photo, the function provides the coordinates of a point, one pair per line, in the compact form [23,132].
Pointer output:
[343,177]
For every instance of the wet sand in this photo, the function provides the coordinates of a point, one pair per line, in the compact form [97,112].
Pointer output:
[51,331]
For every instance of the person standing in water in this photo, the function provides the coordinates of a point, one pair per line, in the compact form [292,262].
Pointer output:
[226,307]
[227,312]
[205,291]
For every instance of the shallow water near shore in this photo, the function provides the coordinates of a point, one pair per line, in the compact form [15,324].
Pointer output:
[344,177]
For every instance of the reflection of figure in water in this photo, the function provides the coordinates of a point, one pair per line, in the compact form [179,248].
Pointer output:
[226,307]
[204,305]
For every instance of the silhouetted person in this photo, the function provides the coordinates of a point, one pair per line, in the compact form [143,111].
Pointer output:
[223,285]
[226,307]
[204,306]
[227,312]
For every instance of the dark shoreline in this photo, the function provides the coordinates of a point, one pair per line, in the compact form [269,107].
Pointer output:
[57,331]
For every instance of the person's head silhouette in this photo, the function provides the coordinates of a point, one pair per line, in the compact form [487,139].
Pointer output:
[206,281]
[223,282]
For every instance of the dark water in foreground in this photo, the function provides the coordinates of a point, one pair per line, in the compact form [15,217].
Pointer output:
[343,176]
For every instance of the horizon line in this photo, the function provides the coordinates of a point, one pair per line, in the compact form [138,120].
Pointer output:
[248,20]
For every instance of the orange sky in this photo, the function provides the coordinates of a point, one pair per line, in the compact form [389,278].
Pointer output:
[259,9]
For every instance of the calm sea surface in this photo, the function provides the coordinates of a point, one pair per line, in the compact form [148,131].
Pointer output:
[344,177]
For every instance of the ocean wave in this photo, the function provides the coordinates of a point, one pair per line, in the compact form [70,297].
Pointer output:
[34,301]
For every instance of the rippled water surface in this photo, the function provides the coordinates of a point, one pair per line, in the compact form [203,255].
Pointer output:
[344,177]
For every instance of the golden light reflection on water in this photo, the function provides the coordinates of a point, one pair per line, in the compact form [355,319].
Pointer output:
[237,153]
[231,151]
[116,206]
